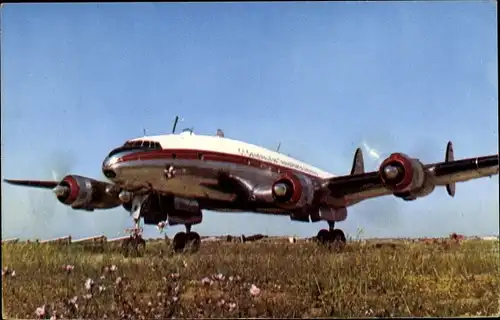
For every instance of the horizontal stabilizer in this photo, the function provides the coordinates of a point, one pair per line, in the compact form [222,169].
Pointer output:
[33,183]
[358,164]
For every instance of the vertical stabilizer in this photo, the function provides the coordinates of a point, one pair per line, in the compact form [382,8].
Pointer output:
[358,164]
[449,156]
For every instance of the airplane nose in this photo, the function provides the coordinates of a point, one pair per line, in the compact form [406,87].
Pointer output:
[107,167]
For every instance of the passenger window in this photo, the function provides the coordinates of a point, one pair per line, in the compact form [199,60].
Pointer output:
[200,156]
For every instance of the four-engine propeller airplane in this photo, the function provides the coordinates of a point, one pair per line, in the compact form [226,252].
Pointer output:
[174,177]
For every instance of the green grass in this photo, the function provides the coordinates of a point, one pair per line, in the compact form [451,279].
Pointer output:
[295,280]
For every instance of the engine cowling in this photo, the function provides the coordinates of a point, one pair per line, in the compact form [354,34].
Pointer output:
[407,178]
[292,191]
[86,193]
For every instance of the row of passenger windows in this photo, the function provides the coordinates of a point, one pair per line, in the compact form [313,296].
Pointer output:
[156,145]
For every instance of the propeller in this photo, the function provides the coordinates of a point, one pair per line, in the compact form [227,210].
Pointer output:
[386,212]
[43,211]
[376,151]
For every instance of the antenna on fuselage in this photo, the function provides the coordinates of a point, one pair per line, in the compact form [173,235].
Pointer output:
[144,131]
[175,124]
[279,146]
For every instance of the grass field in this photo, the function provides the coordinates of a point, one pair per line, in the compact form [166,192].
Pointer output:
[258,279]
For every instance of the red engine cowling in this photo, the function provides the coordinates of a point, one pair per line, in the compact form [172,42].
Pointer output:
[85,193]
[406,177]
[292,191]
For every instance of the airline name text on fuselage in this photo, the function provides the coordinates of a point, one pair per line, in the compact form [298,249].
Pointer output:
[275,160]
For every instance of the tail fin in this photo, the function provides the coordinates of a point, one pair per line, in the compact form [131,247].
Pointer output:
[358,164]
[448,157]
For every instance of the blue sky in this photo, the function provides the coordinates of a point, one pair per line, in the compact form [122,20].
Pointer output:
[322,78]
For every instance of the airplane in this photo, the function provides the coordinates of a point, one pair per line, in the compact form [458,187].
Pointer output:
[170,179]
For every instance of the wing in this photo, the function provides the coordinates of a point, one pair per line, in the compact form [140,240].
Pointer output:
[78,192]
[34,183]
[407,177]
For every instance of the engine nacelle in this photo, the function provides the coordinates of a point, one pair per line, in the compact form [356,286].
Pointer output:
[292,191]
[407,178]
[86,193]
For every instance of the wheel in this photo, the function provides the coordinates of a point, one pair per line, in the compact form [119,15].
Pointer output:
[126,247]
[193,240]
[338,238]
[179,242]
[338,235]
[323,236]
[139,246]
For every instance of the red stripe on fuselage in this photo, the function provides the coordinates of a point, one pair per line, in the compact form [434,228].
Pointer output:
[190,154]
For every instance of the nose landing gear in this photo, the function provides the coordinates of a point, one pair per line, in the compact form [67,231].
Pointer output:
[135,244]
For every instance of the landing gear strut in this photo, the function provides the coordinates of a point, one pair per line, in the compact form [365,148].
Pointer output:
[135,243]
[331,236]
[186,239]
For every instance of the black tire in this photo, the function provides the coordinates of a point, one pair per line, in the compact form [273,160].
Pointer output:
[193,240]
[126,247]
[140,247]
[179,242]
[324,236]
[338,235]
[338,239]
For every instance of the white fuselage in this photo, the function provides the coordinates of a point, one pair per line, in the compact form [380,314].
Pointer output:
[190,141]
[190,166]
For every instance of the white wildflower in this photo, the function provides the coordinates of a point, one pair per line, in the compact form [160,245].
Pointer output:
[254,291]
[40,311]
[118,280]
[206,281]
[87,296]
[68,268]
[89,284]
[219,277]
[73,301]
[221,303]
[174,275]
[102,288]
[113,268]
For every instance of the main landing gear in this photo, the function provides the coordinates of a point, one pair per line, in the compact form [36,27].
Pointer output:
[331,236]
[188,239]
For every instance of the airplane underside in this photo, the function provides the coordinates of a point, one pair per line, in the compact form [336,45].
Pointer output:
[176,193]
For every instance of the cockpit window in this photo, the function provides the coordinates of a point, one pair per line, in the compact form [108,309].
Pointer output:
[143,144]
[137,145]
